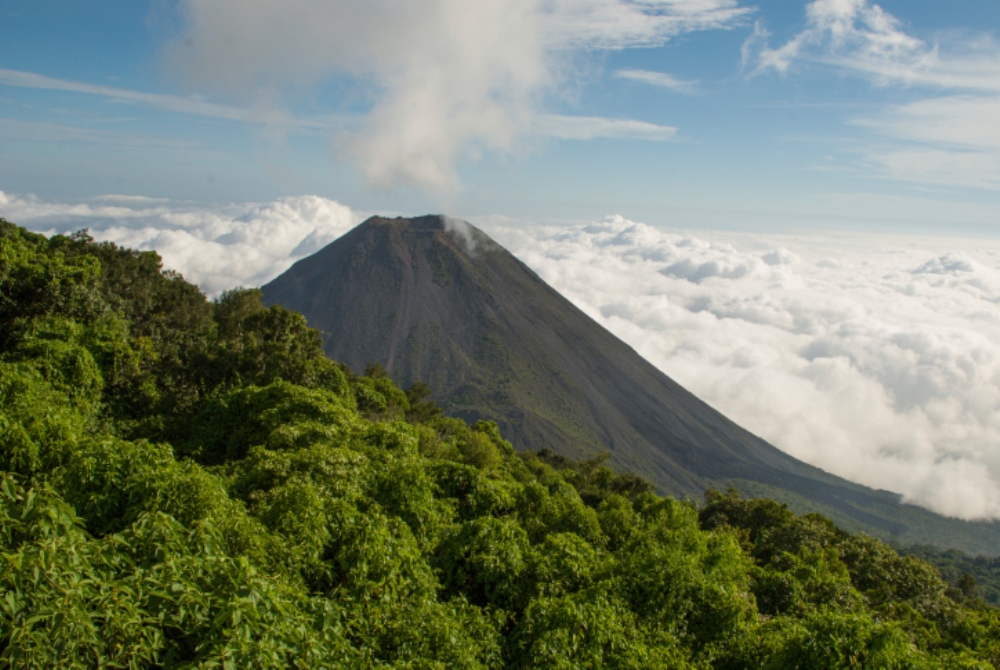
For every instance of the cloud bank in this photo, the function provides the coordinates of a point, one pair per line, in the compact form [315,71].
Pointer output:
[872,357]
[877,359]
[437,81]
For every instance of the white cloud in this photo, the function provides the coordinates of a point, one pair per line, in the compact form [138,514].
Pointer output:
[940,167]
[38,131]
[439,81]
[617,24]
[953,141]
[218,248]
[660,79]
[169,103]
[416,88]
[860,36]
[130,199]
[950,140]
[852,33]
[593,127]
[962,121]
[873,357]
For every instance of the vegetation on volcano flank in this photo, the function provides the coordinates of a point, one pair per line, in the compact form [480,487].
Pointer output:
[191,483]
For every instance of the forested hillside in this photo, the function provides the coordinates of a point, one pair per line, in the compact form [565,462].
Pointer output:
[186,483]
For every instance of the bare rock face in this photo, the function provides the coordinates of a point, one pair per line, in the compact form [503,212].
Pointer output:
[436,300]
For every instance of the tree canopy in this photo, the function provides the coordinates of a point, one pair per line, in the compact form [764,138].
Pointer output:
[189,483]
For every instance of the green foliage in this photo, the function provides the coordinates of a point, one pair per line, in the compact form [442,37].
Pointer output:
[53,346]
[804,582]
[969,577]
[695,584]
[39,278]
[885,576]
[258,345]
[590,629]
[826,640]
[485,560]
[279,416]
[378,398]
[155,594]
[38,424]
[421,408]
[563,563]
[186,483]
[592,478]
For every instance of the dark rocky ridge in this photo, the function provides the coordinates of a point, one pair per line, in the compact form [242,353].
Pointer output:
[436,300]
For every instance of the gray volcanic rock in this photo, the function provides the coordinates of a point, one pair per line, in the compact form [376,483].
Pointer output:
[436,300]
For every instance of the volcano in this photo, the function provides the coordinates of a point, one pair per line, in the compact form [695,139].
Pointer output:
[435,299]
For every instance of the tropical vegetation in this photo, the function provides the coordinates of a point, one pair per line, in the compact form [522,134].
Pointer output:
[189,483]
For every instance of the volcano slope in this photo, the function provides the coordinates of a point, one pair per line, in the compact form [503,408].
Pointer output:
[436,300]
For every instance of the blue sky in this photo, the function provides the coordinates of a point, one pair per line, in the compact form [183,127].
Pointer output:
[691,113]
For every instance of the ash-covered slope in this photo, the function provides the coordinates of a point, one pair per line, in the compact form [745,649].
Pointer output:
[436,300]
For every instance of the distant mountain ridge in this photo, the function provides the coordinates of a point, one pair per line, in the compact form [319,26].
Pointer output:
[434,299]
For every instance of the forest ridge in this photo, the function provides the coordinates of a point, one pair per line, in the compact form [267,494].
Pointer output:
[192,483]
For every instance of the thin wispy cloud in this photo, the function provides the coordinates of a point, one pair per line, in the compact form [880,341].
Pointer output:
[659,79]
[860,36]
[40,131]
[557,126]
[963,121]
[618,24]
[159,101]
[952,141]
[849,33]
[947,141]
[592,127]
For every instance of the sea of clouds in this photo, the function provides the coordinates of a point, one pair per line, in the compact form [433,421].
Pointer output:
[873,357]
